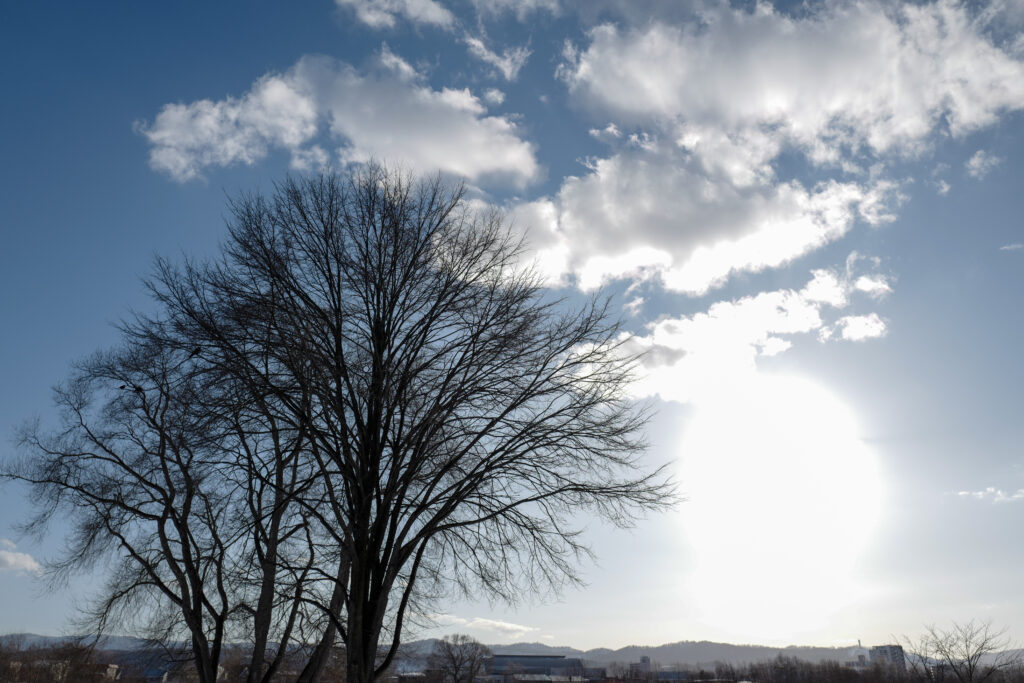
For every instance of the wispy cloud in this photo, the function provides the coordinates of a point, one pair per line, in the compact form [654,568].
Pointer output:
[385,13]
[1012,247]
[15,561]
[979,165]
[691,357]
[504,628]
[508,63]
[993,494]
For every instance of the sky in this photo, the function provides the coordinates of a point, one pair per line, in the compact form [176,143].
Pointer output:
[809,216]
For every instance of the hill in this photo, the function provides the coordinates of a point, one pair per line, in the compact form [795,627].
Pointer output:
[415,653]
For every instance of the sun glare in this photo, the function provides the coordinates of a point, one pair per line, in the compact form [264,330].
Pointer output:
[783,498]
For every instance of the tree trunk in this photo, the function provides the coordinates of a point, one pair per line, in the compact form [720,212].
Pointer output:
[322,652]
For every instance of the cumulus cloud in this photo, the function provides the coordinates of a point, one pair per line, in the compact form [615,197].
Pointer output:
[649,213]
[694,196]
[504,628]
[508,63]
[277,111]
[494,96]
[15,561]
[385,13]
[385,112]
[980,163]
[993,494]
[847,76]
[875,285]
[692,357]
[861,327]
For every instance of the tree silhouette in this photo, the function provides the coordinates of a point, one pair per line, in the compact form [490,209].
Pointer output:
[365,401]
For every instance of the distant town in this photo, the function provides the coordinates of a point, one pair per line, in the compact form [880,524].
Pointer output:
[26,658]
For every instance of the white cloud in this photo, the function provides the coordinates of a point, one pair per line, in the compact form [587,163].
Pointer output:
[980,163]
[848,76]
[523,8]
[861,327]
[826,287]
[876,286]
[494,96]
[504,628]
[694,358]
[385,113]
[13,560]
[394,63]
[278,111]
[609,133]
[385,13]
[508,63]
[634,305]
[312,158]
[647,212]
[1011,247]
[694,196]
[994,494]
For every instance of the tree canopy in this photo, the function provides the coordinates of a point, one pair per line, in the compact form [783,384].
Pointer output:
[365,402]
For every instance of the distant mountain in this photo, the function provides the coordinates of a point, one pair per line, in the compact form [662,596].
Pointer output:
[535,649]
[414,653]
[27,640]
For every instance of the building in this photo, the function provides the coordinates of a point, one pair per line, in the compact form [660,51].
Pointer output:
[857,658]
[887,656]
[509,668]
[891,656]
[640,669]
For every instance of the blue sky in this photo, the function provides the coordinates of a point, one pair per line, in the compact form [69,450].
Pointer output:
[810,217]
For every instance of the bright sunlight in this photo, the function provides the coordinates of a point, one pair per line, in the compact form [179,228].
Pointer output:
[783,498]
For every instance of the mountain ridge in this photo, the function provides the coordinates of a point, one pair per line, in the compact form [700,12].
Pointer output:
[684,652]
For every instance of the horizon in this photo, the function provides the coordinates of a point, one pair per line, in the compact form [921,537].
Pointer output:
[807,217]
[494,646]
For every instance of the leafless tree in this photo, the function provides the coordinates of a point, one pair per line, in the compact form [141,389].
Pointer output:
[922,658]
[130,466]
[364,402]
[457,417]
[967,652]
[460,658]
[175,473]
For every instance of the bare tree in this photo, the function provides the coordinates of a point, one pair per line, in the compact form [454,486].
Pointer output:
[132,472]
[177,474]
[460,658]
[922,658]
[458,419]
[364,402]
[967,652]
